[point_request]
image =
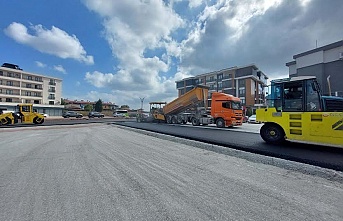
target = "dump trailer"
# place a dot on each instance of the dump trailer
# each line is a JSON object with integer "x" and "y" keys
{"x": 23, "y": 114}
{"x": 225, "y": 109}
{"x": 296, "y": 110}
{"x": 190, "y": 107}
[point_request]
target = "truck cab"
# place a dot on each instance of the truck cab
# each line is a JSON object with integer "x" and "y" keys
{"x": 226, "y": 110}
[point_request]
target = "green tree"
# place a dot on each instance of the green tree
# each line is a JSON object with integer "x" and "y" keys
{"x": 98, "y": 106}
{"x": 63, "y": 102}
{"x": 88, "y": 107}
{"x": 125, "y": 107}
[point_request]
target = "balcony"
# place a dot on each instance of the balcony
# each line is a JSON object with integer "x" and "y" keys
{"x": 10, "y": 85}
{"x": 52, "y": 90}
{"x": 227, "y": 77}
{"x": 211, "y": 80}
{"x": 10, "y": 93}
{"x": 31, "y": 95}
{"x": 52, "y": 83}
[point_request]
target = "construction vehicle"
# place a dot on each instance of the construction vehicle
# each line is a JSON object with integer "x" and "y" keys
{"x": 155, "y": 114}
{"x": 296, "y": 110}
{"x": 192, "y": 107}
{"x": 24, "y": 113}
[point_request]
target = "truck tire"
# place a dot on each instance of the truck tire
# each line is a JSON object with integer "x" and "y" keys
{"x": 195, "y": 122}
{"x": 174, "y": 120}
{"x": 272, "y": 133}
{"x": 169, "y": 120}
{"x": 220, "y": 123}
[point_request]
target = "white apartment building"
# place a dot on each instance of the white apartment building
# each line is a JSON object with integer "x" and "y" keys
{"x": 18, "y": 86}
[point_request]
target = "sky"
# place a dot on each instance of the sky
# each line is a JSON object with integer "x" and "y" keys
{"x": 121, "y": 51}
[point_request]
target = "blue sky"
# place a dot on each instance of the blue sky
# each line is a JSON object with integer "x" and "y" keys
{"x": 119, "y": 51}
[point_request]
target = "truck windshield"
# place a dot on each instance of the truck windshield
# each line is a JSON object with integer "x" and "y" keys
{"x": 236, "y": 105}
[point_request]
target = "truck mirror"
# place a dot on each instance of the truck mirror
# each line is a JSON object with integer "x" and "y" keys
{"x": 313, "y": 86}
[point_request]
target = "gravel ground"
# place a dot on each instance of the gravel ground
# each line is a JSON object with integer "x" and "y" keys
{"x": 104, "y": 172}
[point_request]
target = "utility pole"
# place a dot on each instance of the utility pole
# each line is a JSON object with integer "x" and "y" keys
{"x": 142, "y": 100}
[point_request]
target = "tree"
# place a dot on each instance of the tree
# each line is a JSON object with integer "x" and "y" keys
{"x": 98, "y": 106}
{"x": 63, "y": 102}
{"x": 88, "y": 107}
{"x": 125, "y": 107}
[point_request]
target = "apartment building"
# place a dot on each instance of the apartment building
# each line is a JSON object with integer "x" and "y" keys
{"x": 18, "y": 86}
{"x": 246, "y": 82}
{"x": 326, "y": 63}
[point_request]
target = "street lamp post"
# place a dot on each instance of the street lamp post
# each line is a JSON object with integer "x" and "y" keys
{"x": 142, "y": 100}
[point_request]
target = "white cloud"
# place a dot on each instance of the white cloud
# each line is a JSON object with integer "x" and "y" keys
{"x": 60, "y": 69}
{"x": 55, "y": 41}
{"x": 267, "y": 33}
{"x": 40, "y": 64}
{"x": 214, "y": 35}
{"x": 131, "y": 38}
{"x": 195, "y": 3}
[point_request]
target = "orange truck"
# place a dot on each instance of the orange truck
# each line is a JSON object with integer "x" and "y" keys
{"x": 226, "y": 110}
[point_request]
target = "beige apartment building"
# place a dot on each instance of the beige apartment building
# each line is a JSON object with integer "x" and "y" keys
{"x": 18, "y": 86}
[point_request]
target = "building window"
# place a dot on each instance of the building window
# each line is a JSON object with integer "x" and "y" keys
{"x": 52, "y": 89}
{"x": 9, "y": 91}
{"x": 29, "y": 78}
{"x": 36, "y": 101}
{"x": 52, "y": 82}
{"x": 51, "y": 96}
{"x": 51, "y": 102}
{"x": 9, "y": 83}
{"x": 242, "y": 91}
{"x": 28, "y": 86}
{"x": 220, "y": 85}
{"x": 243, "y": 101}
{"x": 241, "y": 83}
{"x": 220, "y": 76}
{"x": 8, "y": 99}
{"x": 227, "y": 84}
{"x": 39, "y": 79}
{"x": 1, "y": 73}
{"x": 28, "y": 93}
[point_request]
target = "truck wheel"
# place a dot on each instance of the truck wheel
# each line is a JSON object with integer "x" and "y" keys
{"x": 169, "y": 119}
{"x": 195, "y": 122}
{"x": 220, "y": 123}
{"x": 174, "y": 120}
{"x": 272, "y": 133}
